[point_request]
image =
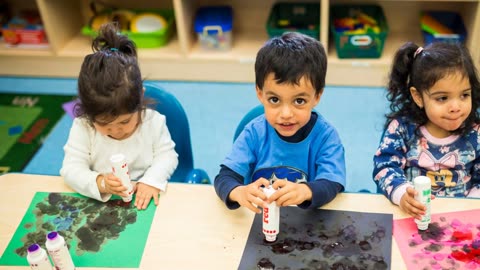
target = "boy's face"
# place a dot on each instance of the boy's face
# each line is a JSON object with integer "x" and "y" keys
{"x": 288, "y": 107}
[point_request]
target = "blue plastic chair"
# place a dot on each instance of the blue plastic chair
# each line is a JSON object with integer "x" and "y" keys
{"x": 256, "y": 111}
{"x": 177, "y": 123}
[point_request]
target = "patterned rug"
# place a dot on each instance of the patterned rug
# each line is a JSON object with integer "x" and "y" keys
{"x": 25, "y": 122}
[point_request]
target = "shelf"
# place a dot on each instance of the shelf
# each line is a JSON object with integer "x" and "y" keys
{"x": 80, "y": 46}
{"x": 245, "y": 46}
{"x": 20, "y": 50}
{"x": 183, "y": 59}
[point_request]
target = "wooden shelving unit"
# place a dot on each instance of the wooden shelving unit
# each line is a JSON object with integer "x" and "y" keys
{"x": 183, "y": 59}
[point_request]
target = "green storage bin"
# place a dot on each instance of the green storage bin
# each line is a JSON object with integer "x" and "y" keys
{"x": 294, "y": 17}
{"x": 146, "y": 40}
{"x": 359, "y": 45}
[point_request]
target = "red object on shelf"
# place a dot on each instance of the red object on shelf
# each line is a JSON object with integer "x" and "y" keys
{"x": 24, "y": 36}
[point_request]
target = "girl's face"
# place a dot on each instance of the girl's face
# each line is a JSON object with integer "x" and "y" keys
{"x": 288, "y": 107}
{"x": 120, "y": 128}
{"x": 447, "y": 104}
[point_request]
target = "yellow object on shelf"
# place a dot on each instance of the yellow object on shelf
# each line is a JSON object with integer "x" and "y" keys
{"x": 123, "y": 17}
{"x": 147, "y": 22}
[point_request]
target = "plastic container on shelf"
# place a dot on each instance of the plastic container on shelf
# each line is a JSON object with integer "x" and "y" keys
{"x": 25, "y": 36}
{"x": 145, "y": 39}
{"x": 359, "y": 31}
{"x": 213, "y": 25}
{"x": 25, "y": 28}
{"x": 444, "y": 26}
{"x": 294, "y": 17}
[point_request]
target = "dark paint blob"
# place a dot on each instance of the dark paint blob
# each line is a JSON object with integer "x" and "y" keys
{"x": 365, "y": 245}
{"x": 434, "y": 232}
{"x": 265, "y": 264}
{"x": 86, "y": 221}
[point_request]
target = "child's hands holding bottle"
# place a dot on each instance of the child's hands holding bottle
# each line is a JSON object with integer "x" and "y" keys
{"x": 290, "y": 193}
{"x": 411, "y": 206}
{"x": 110, "y": 184}
{"x": 251, "y": 195}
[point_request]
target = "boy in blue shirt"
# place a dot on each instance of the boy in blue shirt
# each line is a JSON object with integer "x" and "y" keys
{"x": 290, "y": 146}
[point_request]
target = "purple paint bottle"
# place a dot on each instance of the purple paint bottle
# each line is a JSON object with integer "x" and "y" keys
{"x": 58, "y": 250}
{"x": 37, "y": 258}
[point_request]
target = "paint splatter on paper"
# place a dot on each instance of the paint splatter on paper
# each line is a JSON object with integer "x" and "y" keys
{"x": 452, "y": 241}
{"x": 95, "y": 232}
{"x": 321, "y": 239}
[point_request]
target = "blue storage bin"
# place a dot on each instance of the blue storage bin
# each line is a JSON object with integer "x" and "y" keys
{"x": 451, "y": 20}
{"x": 214, "y": 25}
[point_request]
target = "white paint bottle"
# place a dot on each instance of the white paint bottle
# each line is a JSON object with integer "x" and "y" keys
{"x": 271, "y": 217}
{"x": 37, "y": 258}
{"x": 58, "y": 250}
{"x": 422, "y": 185}
{"x": 120, "y": 170}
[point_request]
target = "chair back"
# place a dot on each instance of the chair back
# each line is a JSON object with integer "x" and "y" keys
{"x": 177, "y": 123}
{"x": 253, "y": 113}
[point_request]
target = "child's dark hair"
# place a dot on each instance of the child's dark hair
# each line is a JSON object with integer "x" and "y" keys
{"x": 291, "y": 57}
{"x": 110, "y": 83}
{"x": 422, "y": 69}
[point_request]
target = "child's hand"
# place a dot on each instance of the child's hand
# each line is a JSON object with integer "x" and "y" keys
{"x": 289, "y": 193}
{"x": 411, "y": 206}
{"x": 144, "y": 194}
{"x": 113, "y": 185}
{"x": 251, "y": 195}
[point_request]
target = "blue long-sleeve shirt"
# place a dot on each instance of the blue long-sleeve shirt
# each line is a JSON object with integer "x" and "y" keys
{"x": 452, "y": 163}
{"x": 314, "y": 156}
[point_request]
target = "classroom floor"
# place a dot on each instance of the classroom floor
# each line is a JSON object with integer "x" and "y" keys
{"x": 215, "y": 109}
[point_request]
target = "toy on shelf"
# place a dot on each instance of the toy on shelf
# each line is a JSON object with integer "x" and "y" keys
{"x": 356, "y": 23}
{"x": 432, "y": 26}
{"x": 359, "y": 31}
{"x": 299, "y": 17}
{"x": 147, "y": 23}
{"x": 148, "y": 28}
{"x": 25, "y": 28}
{"x": 442, "y": 26}
{"x": 213, "y": 25}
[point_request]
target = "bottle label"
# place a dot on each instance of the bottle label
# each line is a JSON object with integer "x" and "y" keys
{"x": 61, "y": 258}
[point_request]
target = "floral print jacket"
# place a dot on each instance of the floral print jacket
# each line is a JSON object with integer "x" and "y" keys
{"x": 407, "y": 151}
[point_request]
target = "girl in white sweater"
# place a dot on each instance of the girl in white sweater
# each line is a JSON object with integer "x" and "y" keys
{"x": 112, "y": 118}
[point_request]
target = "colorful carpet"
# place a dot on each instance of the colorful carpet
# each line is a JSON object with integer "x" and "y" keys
{"x": 25, "y": 122}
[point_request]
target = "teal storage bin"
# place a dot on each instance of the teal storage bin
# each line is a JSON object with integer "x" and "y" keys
{"x": 294, "y": 17}
{"x": 366, "y": 39}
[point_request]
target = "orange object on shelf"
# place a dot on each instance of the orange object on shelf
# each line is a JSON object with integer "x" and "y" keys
{"x": 24, "y": 36}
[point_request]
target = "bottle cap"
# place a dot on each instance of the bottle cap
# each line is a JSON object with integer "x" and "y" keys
{"x": 271, "y": 237}
{"x": 422, "y": 226}
{"x": 421, "y": 180}
{"x": 117, "y": 158}
{"x": 52, "y": 235}
{"x": 33, "y": 248}
{"x": 269, "y": 191}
